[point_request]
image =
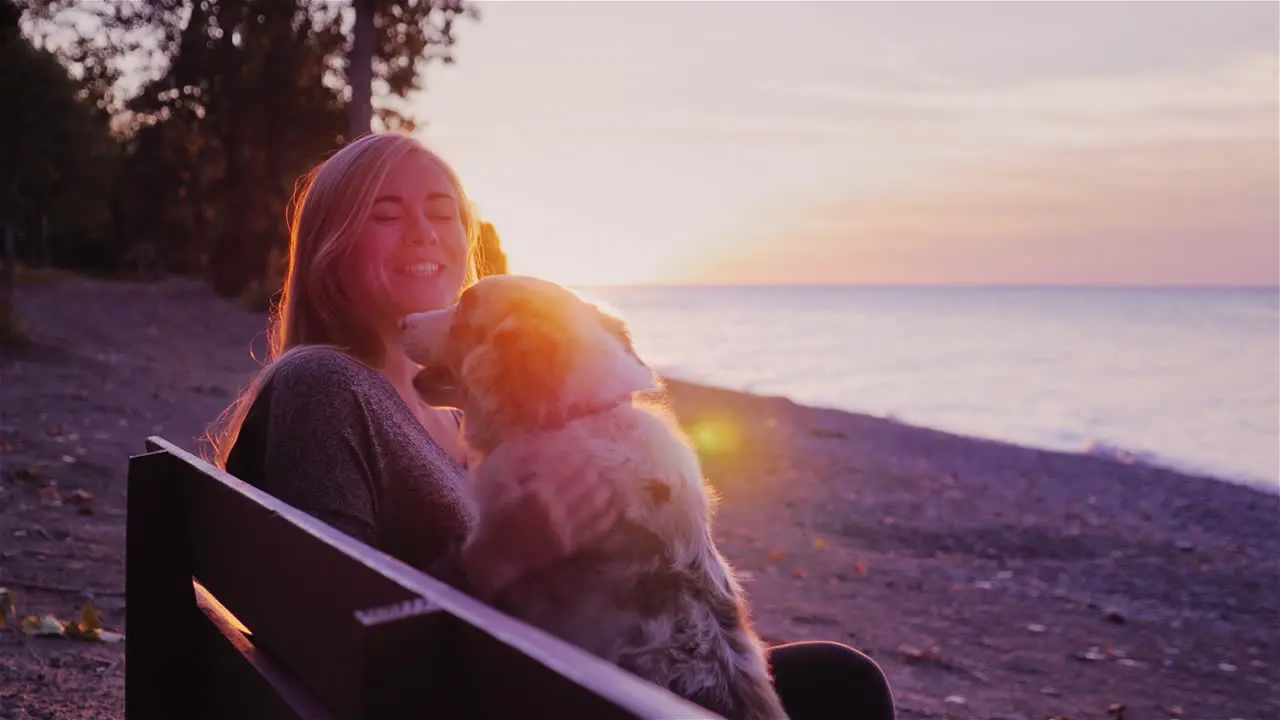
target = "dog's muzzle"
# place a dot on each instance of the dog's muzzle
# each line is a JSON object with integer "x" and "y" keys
{"x": 423, "y": 332}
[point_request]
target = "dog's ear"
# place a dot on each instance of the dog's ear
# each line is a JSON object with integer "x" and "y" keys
{"x": 534, "y": 365}
{"x": 618, "y": 329}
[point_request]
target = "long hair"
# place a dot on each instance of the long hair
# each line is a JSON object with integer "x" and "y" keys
{"x": 329, "y": 205}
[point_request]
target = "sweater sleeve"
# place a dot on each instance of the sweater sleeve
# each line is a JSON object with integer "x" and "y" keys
{"x": 331, "y": 437}
{"x": 317, "y": 459}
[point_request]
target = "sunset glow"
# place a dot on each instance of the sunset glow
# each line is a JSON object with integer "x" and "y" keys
{"x": 1129, "y": 143}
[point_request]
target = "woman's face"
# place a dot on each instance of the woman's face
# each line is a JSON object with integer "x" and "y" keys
{"x": 411, "y": 253}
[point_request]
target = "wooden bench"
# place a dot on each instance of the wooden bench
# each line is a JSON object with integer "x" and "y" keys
{"x": 240, "y": 606}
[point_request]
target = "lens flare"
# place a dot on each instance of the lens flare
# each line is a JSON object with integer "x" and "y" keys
{"x": 716, "y": 437}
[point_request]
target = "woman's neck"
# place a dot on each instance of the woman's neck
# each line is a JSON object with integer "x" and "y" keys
{"x": 400, "y": 370}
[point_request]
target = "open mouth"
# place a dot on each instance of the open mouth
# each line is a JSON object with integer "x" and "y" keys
{"x": 422, "y": 269}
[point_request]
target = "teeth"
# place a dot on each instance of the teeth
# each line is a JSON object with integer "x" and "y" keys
{"x": 423, "y": 269}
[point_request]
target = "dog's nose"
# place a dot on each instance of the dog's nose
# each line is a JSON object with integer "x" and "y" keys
{"x": 404, "y": 324}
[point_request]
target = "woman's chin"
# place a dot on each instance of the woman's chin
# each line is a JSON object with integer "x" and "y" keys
{"x": 423, "y": 296}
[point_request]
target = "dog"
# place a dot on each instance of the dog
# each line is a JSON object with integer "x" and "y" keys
{"x": 534, "y": 363}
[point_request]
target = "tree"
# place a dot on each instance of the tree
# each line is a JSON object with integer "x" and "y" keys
{"x": 57, "y": 156}
{"x": 239, "y": 98}
{"x": 393, "y": 43}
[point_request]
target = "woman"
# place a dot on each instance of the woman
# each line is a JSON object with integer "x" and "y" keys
{"x": 335, "y": 426}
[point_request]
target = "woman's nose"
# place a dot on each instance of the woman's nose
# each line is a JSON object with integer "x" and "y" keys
{"x": 423, "y": 232}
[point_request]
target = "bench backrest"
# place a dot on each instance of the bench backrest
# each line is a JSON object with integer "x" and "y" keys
{"x": 239, "y": 605}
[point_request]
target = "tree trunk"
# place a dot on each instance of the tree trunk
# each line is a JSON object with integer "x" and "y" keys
{"x": 360, "y": 72}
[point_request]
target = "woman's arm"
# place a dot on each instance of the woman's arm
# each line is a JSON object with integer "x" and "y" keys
{"x": 313, "y": 456}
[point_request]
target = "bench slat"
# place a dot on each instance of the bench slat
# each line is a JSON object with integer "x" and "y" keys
{"x": 263, "y": 690}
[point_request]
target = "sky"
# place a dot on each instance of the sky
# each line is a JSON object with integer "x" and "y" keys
{"x": 885, "y": 143}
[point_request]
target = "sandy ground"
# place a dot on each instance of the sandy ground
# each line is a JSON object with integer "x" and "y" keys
{"x": 989, "y": 581}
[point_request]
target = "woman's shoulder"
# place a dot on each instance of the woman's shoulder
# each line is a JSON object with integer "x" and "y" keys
{"x": 322, "y": 383}
{"x": 322, "y": 367}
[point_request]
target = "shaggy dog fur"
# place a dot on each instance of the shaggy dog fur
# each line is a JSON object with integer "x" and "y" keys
{"x": 541, "y": 375}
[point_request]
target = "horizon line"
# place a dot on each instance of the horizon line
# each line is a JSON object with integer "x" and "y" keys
{"x": 940, "y": 286}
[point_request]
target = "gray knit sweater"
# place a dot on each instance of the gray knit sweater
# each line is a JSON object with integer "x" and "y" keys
{"x": 333, "y": 438}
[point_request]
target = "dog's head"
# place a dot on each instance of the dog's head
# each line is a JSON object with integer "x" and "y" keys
{"x": 526, "y": 353}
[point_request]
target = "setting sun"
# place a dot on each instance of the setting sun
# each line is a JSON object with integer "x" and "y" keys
{"x": 602, "y": 218}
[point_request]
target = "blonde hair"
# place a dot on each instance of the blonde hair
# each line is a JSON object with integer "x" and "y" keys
{"x": 330, "y": 204}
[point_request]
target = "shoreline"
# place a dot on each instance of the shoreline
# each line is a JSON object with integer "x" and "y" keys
{"x": 988, "y": 579}
{"x": 1105, "y": 450}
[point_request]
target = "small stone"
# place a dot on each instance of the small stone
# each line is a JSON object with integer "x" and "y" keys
{"x": 983, "y": 585}
{"x": 1226, "y": 667}
{"x": 1185, "y": 545}
{"x": 1051, "y": 692}
{"x": 955, "y": 699}
{"x": 1004, "y": 575}
{"x": 1037, "y": 628}
{"x": 50, "y": 497}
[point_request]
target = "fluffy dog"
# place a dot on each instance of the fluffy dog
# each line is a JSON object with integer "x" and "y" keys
{"x": 536, "y": 364}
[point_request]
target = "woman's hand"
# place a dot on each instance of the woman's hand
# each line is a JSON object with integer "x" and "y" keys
{"x": 549, "y": 515}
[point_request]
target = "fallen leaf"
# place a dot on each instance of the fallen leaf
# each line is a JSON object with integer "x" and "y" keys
{"x": 42, "y": 626}
{"x": 777, "y": 555}
{"x": 90, "y": 618}
{"x": 798, "y": 573}
{"x": 26, "y": 474}
{"x": 89, "y": 627}
{"x": 860, "y": 568}
{"x": 8, "y": 609}
{"x": 82, "y": 500}
{"x": 913, "y": 654}
{"x": 819, "y": 544}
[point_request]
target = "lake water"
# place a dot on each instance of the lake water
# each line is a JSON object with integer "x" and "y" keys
{"x": 1186, "y": 379}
